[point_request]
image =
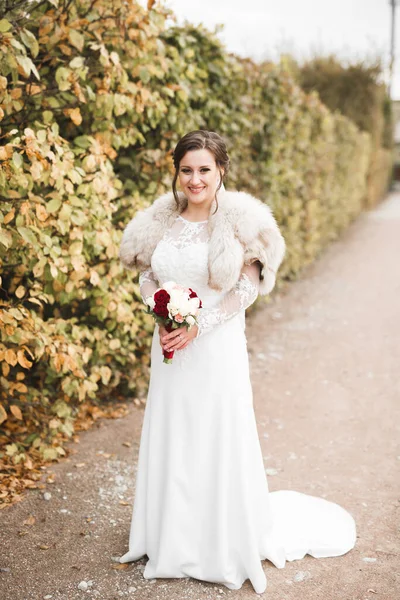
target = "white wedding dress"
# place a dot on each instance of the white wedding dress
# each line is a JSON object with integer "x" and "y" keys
{"x": 202, "y": 508}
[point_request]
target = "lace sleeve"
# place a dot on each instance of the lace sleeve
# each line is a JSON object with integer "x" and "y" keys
{"x": 241, "y": 296}
{"x": 148, "y": 284}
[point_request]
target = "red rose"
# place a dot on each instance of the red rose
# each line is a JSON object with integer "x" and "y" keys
{"x": 161, "y": 299}
{"x": 162, "y": 296}
{"x": 160, "y": 310}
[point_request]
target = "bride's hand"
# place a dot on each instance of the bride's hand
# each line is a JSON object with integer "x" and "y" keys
{"x": 178, "y": 338}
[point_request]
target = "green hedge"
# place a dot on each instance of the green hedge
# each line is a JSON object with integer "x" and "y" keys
{"x": 355, "y": 89}
{"x": 92, "y": 103}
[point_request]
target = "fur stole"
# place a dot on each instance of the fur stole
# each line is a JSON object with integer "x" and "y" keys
{"x": 242, "y": 231}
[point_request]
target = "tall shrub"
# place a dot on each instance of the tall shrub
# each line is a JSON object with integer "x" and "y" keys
{"x": 356, "y": 90}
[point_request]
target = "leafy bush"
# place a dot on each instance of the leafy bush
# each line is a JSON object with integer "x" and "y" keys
{"x": 357, "y": 92}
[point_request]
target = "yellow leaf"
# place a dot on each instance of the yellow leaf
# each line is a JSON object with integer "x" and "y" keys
{"x": 16, "y": 411}
{"x": 36, "y": 170}
{"x": 75, "y": 248}
{"x": 58, "y": 361}
{"x": 34, "y": 89}
{"x": 106, "y": 374}
{"x": 10, "y": 330}
{"x": 9, "y": 149}
{"x": 11, "y": 357}
{"x": 28, "y": 463}
{"x": 121, "y": 566}
{"x": 16, "y": 93}
{"x": 74, "y": 114}
{"x": 115, "y": 344}
{"x": 11, "y": 449}
{"x": 23, "y": 361}
{"x": 46, "y": 27}
{"x": 41, "y": 212}
{"x": 76, "y": 39}
{"x": 104, "y": 238}
{"x": 53, "y": 270}
{"x": 16, "y": 314}
{"x": 35, "y": 301}
{"x": 6, "y": 238}
{"x": 21, "y": 388}
{"x": 39, "y": 268}
{"x": 3, "y": 414}
{"x": 28, "y": 350}
{"x": 50, "y": 454}
{"x": 57, "y": 285}
{"x": 30, "y": 520}
{"x": 65, "y": 49}
{"x": 5, "y": 367}
{"x": 20, "y": 291}
{"x": 94, "y": 277}
{"x": 9, "y": 216}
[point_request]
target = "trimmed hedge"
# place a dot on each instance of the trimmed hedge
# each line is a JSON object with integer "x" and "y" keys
{"x": 92, "y": 103}
{"x": 356, "y": 91}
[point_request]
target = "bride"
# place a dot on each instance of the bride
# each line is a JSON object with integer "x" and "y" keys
{"x": 202, "y": 508}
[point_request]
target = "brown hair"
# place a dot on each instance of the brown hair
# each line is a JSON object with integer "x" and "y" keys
{"x": 199, "y": 140}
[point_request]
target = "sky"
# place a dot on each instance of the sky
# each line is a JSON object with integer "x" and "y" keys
{"x": 263, "y": 29}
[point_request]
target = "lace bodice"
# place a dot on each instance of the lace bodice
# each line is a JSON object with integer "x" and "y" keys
{"x": 182, "y": 256}
{"x": 186, "y": 233}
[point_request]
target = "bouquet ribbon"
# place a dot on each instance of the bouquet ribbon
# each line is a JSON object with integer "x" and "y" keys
{"x": 168, "y": 354}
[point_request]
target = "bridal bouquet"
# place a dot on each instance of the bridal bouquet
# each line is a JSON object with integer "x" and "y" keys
{"x": 173, "y": 306}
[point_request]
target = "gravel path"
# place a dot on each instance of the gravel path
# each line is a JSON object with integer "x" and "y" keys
{"x": 325, "y": 359}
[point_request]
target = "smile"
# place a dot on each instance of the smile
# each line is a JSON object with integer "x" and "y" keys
{"x": 196, "y": 190}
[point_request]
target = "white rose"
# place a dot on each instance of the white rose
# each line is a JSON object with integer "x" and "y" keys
{"x": 150, "y": 302}
{"x": 185, "y": 307}
{"x": 190, "y": 320}
{"x": 176, "y": 297}
{"x": 173, "y": 309}
{"x": 194, "y": 303}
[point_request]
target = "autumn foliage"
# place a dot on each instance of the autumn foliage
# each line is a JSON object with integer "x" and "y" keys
{"x": 93, "y": 97}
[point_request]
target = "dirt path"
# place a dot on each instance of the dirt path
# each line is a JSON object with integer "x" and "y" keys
{"x": 325, "y": 360}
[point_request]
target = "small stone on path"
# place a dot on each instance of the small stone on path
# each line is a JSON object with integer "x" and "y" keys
{"x": 301, "y": 576}
{"x": 83, "y": 586}
{"x": 271, "y": 472}
{"x": 369, "y": 560}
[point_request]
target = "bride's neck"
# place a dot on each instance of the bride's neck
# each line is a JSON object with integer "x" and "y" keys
{"x": 197, "y": 213}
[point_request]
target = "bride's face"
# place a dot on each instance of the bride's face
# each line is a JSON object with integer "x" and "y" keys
{"x": 199, "y": 176}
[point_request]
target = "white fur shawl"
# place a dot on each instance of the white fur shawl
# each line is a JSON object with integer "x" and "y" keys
{"x": 241, "y": 231}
